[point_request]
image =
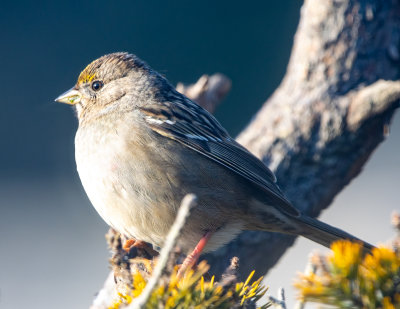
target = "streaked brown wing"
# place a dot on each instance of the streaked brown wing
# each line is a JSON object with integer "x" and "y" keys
{"x": 191, "y": 125}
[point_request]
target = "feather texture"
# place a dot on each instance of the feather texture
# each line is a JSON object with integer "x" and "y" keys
{"x": 189, "y": 124}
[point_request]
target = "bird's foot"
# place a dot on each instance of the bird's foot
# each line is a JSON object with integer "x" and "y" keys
{"x": 133, "y": 243}
{"x": 138, "y": 244}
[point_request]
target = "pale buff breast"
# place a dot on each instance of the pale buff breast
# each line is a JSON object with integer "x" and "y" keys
{"x": 112, "y": 176}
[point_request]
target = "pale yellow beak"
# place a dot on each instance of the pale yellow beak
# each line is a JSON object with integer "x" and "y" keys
{"x": 71, "y": 97}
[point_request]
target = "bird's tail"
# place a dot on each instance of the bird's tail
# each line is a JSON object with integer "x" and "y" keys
{"x": 326, "y": 234}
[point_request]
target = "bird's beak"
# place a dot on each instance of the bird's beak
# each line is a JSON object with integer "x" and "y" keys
{"x": 71, "y": 97}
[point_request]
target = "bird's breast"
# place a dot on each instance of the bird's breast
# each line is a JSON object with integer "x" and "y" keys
{"x": 121, "y": 184}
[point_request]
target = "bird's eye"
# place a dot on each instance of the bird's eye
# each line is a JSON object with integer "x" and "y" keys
{"x": 97, "y": 85}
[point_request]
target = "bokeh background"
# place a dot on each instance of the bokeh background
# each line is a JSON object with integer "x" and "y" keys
{"x": 52, "y": 249}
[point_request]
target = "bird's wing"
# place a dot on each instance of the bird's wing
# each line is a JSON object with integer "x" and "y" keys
{"x": 191, "y": 125}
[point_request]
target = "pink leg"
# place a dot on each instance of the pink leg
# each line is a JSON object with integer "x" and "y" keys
{"x": 192, "y": 258}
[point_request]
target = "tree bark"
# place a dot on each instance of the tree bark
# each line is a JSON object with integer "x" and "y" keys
{"x": 330, "y": 112}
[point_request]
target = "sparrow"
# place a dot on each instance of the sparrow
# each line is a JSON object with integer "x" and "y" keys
{"x": 141, "y": 146}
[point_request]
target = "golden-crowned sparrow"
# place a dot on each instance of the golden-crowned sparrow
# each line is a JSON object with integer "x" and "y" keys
{"x": 141, "y": 147}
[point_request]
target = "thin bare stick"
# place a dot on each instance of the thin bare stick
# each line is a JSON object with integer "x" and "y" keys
{"x": 188, "y": 202}
{"x": 279, "y": 302}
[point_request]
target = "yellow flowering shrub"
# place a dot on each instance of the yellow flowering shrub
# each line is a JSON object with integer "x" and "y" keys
{"x": 347, "y": 279}
{"x": 193, "y": 291}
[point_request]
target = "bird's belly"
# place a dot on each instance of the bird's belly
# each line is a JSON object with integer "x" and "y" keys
{"x": 140, "y": 212}
{"x": 114, "y": 187}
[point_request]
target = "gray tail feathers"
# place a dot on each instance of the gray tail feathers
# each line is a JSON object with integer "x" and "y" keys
{"x": 325, "y": 234}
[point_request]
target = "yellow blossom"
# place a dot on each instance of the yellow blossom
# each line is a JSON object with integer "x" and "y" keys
{"x": 138, "y": 284}
{"x": 387, "y": 304}
{"x": 194, "y": 291}
{"x": 381, "y": 263}
{"x": 353, "y": 281}
{"x": 346, "y": 257}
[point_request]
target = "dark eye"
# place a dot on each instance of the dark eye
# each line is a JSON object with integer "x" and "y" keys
{"x": 97, "y": 85}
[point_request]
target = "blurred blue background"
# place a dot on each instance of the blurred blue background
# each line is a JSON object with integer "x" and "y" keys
{"x": 52, "y": 248}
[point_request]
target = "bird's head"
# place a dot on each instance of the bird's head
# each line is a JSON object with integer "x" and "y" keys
{"x": 109, "y": 81}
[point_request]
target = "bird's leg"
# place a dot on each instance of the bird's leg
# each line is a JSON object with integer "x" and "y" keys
{"x": 192, "y": 258}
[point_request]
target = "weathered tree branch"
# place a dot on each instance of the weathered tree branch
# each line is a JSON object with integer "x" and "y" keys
{"x": 208, "y": 91}
{"x": 330, "y": 112}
